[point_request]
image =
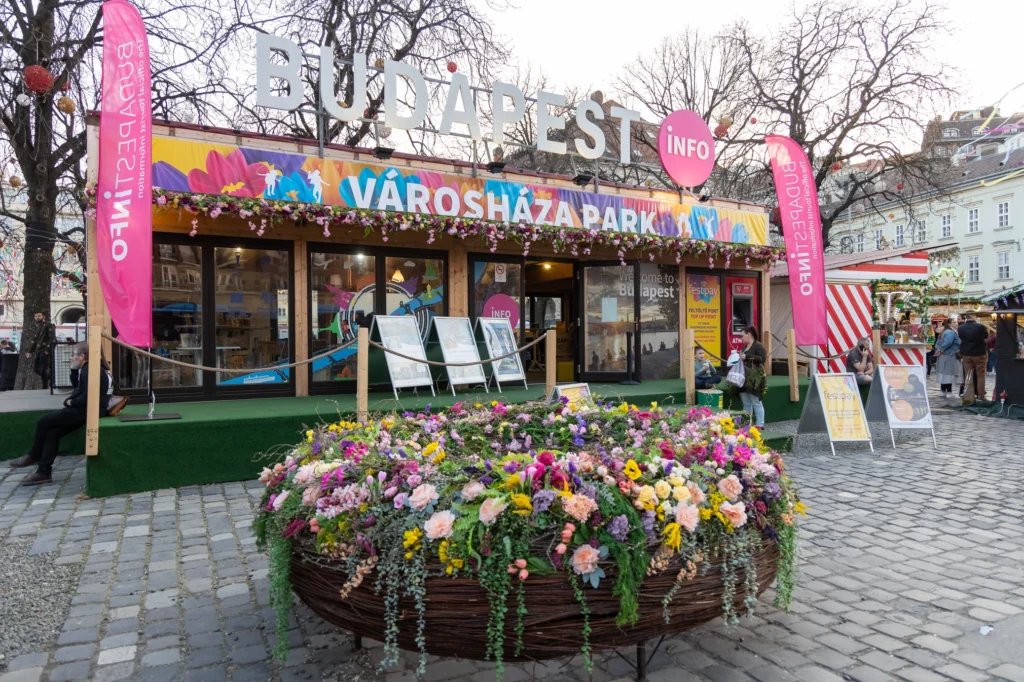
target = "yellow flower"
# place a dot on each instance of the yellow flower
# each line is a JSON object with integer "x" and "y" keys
{"x": 647, "y": 496}
{"x": 663, "y": 489}
{"x": 442, "y": 551}
{"x": 439, "y": 457}
{"x": 494, "y": 403}
{"x": 477, "y": 405}
{"x": 412, "y": 539}
{"x": 676, "y": 481}
{"x": 632, "y": 470}
{"x": 705, "y": 514}
{"x": 654, "y": 405}
{"x": 309, "y": 436}
{"x": 623, "y": 408}
{"x": 673, "y": 538}
{"x": 511, "y": 482}
{"x": 429, "y": 450}
{"x": 800, "y": 508}
{"x": 755, "y": 433}
{"x": 523, "y": 504}
{"x": 680, "y": 493}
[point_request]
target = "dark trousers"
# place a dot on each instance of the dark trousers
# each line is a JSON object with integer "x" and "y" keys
{"x": 49, "y": 430}
{"x": 707, "y": 382}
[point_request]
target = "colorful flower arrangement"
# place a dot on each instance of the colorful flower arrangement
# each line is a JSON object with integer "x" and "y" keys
{"x": 262, "y": 214}
{"x": 506, "y": 492}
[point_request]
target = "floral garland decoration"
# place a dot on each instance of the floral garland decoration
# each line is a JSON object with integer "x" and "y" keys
{"x": 576, "y": 241}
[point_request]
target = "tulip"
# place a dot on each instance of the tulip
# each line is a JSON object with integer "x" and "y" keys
{"x": 524, "y": 574}
{"x": 560, "y": 549}
{"x": 520, "y": 563}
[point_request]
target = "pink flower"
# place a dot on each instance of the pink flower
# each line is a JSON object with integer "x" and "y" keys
{"x": 279, "y": 500}
{"x": 415, "y": 480}
{"x": 584, "y": 559}
{"x": 687, "y": 516}
{"x": 310, "y": 495}
{"x": 423, "y": 496}
{"x": 472, "y": 490}
{"x": 546, "y": 458}
{"x": 266, "y": 475}
{"x": 580, "y": 507}
{"x": 696, "y": 494}
{"x": 736, "y": 513}
{"x": 524, "y": 574}
{"x": 305, "y": 473}
{"x": 440, "y": 525}
{"x": 314, "y": 525}
{"x": 490, "y": 510}
{"x": 731, "y": 487}
{"x": 400, "y": 499}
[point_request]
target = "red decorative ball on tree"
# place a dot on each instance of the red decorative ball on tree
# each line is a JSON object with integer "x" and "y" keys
{"x": 836, "y": 167}
{"x": 753, "y": 120}
{"x": 38, "y": 79}
{"x": 721, "y": 130}
{"x": 899, "y": 187}
{"x": 452, "y": 67}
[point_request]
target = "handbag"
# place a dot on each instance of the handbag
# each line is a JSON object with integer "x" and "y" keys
{"x": 737, "y": 375}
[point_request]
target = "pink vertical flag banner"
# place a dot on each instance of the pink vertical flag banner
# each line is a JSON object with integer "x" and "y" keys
{"x": 124, "y": 218}
{"x": 801, "y": 226}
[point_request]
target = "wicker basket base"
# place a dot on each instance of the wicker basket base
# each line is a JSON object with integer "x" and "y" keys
{"x": 457, "y": 610}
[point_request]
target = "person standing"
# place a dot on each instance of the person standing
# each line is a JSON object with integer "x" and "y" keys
{"x": 40, "y": 351}
{"x": 974, "y": 350}
{"x": 948, "y": 368}
{"x": 991, "y": 345}
{"x": 755, "y": 384}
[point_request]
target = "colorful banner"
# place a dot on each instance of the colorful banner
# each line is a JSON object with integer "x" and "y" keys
{"x": 124, "y": 234}
{"x": 200, "y": 167}
{"x": 801, "y": 226}
{"x": 906, "y": 397}
{"x": 704, "y": 311}
{"x": 844, "y": 412}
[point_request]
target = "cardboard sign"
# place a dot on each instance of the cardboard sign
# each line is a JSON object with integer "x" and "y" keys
{"x": 833, "y": 406}
{"x": 401, "y": 333}
{"x": 455, "y": 337}
{"x": 576, "y": 393}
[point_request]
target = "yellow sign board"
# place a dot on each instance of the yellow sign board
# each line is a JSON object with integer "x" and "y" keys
{"x": 704, "y": 311}
{"x": 844, "y": 412}
{"x": 575, "y": 393}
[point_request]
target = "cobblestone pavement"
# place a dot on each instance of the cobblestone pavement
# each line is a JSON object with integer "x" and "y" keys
{"x": 907, "y": 559}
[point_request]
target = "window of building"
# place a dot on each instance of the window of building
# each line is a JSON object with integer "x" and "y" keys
{"x": 177, "y": 315}
{"x": 899, "y": 235}
{"x": 973, "y": 224}
{"x": 1003, "y": 265}
{"x": 974, "y": 269}
{"x": 1003, "y": 214}
{"x": 976, "y": 131}
{"x": 342, "y": 288}
{"x": 920, "y": 232}
{"x": 950, "y": 132}
{"x": 878, "y": 240}
{"x": 860, "y": 243}
{"x": 947, "y": 225}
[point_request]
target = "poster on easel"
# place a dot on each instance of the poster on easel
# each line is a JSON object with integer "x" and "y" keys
{"x": 833, "y": 406}
{"x": 454, "y": 336}
{"x": 576, "y": 394}
{"x": 400, "y": 333}
{"x": 499, "y": 339}
{"x": 899, "y": 394}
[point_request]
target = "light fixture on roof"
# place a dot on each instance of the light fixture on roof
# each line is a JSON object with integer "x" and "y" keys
{"x": 704, "y": 198}
{"x": 547, "y": 266}
{"x": 383, "y": 153}
{"x": 583, "y": 179}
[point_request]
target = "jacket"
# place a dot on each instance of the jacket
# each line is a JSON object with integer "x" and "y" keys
{"x": 46, "y": 337}
{"x": 973, "y": 339}
{"x": 79, "y": 397}
{"x": 948, "y": 342}
{"x": 753, "y": 366}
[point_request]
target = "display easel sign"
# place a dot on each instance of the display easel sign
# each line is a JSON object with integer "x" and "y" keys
{"x": 499, "y": 339}
{"x": 575, "y": 393}
{"x": 401, "y": 333}
{"x": 833, "y": 406}
{"x": 900, "y": 394}
{"x": 458, "y": 344}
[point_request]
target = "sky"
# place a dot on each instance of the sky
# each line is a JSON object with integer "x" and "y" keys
{"x": 587, "y": 43}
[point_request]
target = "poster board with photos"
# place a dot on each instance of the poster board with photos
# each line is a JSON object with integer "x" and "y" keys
{"x": 451, "y": 339}
{"x": 833, "y": 406}
{"x": 498, "y": 339}
{"x": 899, "y": 395}
{"x": 401, "y": 333}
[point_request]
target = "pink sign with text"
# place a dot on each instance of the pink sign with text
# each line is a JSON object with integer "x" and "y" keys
{"x": 686, "y": 148}
{"x": 502, "y": 306}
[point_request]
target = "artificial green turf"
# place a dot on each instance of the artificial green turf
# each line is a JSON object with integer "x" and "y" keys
{"x": 18, "y": 428}
{"x": 216, "y": 442}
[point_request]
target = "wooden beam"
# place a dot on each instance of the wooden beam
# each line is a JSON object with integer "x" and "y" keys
{"x": 688, "y": 343}
{"x": 300, "y": 335}
{"x": 682, "y": 319}
{"x": 766, "y": 318}
{"x": 363, "y": 376}
{"x": 794, "y": 370}
{"x": 92, "y": 398}
{"x": 458, "y": 281}
{"x": 551, "y": 360}
{"x": 876, "y": 345}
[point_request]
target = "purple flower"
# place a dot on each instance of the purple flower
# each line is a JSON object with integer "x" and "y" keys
{"x": 648, "y": 518}
{"x": 587, "y": 491}
{"x": 542, "y": 500}
{"x": 293, "y": 528}
{"x": 400, "y": 499}
{"x": 618, "y": 527}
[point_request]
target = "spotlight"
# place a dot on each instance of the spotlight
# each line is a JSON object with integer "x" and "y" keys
{"x": 583, "y": 179}
{"x": 383, "y": 153}
{"x": 496, "y": 166}
{"x": 704, "y": 198}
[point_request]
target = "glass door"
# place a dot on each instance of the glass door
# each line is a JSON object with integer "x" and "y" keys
{"x": 608, "y": 311}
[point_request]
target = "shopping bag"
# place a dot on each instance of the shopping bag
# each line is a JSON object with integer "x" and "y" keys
{"x": 737, "y": 376}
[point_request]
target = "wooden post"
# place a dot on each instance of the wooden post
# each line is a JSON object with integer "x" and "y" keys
{"x": 688, "y": 369}
{"x": 794, "y": 370}
{"x": 363, "y": 376}
{"x": 682, "y": 320}
{"x": 551, "y": 360}
{"x": 876, "y": 346}
{"x": 300, "y": 335}
{"x": 458, "y": 282}
{"x": 92, "y": 398}
{"x": 766, "y": 318}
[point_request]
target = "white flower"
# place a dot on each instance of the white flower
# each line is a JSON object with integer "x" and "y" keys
{"x": 280, "y": 499}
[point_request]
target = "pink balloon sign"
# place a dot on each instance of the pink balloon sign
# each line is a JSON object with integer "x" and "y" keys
{"x": 686, "y": 148}
{"x": 503, "y": 306}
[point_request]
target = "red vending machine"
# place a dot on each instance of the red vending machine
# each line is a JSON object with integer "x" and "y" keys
{"x": 742, "y": 309}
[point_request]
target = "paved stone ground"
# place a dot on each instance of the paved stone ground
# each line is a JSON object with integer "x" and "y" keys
{"x": 905, "y": 558}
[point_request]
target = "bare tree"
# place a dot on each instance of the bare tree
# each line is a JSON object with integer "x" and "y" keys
{"x": 46, "y": 135}
{"x": 427, "y": 34}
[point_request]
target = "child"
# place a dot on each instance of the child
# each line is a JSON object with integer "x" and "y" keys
{"x": 704, "y": 372}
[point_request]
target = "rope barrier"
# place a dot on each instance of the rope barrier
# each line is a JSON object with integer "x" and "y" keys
{"x": 462, "y": 364}
{"x": 223, "y": 370}
{"x": 707, "y": 352}
{"x": 804, "y": 353}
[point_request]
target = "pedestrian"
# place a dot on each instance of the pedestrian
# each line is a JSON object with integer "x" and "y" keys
{"x": 704, "y": 373}
{"x": 859, "y": 362}
{"x": 948, "y": 368}
{"x": 40, "y": 351}
{"x": 755, "y": 383}
{"x": 990, "y": 343}
{"x": 53, "y": 426}
{"x": 974, "y": 351}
